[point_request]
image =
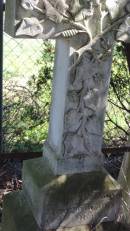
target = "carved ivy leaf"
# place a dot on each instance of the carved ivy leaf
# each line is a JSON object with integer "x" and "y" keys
{"x": 59, "y": 5}
{"x": 29, "y": 4}
{"x": 30, "y": 27}
{"x": 51, "y": 12}
{"x": 73, "y": 120}
{"x": 74, "y": 145}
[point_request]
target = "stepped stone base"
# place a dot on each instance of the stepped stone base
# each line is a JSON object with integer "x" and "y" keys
{"x": 66, "y": 202}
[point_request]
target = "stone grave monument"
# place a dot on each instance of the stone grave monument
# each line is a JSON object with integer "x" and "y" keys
{"x": 68, "y": 187}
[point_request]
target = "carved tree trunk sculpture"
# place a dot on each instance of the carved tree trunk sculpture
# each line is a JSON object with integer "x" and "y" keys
{"x": 86, "y": 32}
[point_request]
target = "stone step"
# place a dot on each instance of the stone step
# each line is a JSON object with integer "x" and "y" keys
{"x": 69, "y": 200}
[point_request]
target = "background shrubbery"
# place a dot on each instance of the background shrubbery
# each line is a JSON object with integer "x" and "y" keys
{"x": 117, "y": 122}
{"x": 26, "y": 107}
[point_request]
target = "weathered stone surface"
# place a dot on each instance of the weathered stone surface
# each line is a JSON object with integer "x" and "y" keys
{"x": 71, "y": 165}
{"x": 88, "y": 86}
{"x": 17, "y": 215}
{"x": 77, "y": 228}
{"x": 77, "y": 115}
{"x": 112, "y": 226}
{"x": 124, "y": 31}
{"x": 69, "y": 200}
{"x": 106, "y": 226}
{"x": 58, "y": 203}
{"x": 36, "y": 174}
{"x": 51, "y": 19}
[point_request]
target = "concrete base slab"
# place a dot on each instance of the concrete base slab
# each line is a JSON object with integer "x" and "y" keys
{"x": 17, "y": 215}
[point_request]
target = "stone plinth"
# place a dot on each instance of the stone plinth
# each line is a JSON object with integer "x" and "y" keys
{"x": 65, "y": 201}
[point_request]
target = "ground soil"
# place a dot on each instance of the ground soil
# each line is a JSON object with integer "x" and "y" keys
{"x": 10, "y": 178}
